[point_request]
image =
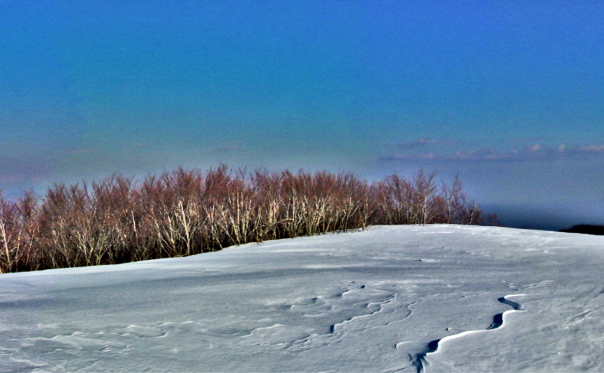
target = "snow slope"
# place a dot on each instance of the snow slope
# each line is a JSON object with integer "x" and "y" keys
{"x": 389, "y": 299}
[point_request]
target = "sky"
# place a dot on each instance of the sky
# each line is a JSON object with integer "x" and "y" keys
{"x": 509, "y": 94}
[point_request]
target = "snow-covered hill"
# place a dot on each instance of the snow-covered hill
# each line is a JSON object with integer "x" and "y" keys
{"x": 389, "y": 299}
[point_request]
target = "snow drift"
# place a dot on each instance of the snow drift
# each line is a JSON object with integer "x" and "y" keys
{"x": 389, "y": 299}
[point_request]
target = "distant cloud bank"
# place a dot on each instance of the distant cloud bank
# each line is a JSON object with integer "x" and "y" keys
{"x": 439, "y": 150}
{"x": 419, "y": 143}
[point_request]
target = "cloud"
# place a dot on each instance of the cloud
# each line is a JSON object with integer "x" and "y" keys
{"x": 591, "y": 149}
{"x": 523, "y": 139}
{"x": 410, "y": 157}
{"x": 534, "y": 151}
{"x": 421, "y": 143}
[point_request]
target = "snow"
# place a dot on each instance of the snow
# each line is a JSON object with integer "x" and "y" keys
{"x": 367, "y": 301}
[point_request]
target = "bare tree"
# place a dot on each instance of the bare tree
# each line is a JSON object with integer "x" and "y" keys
{"x": 186, "y": 212}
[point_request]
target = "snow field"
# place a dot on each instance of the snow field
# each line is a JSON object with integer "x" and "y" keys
{"x": 353, "y": 302}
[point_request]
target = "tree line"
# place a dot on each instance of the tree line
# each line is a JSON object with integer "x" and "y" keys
{"x": 186, "y": 212}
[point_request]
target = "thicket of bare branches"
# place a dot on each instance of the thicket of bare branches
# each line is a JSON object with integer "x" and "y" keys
{"x": 422, "y": 201}
{"x": 187, "y": 212}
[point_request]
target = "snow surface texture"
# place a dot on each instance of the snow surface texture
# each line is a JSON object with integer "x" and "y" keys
{"x": 390, "y": 299}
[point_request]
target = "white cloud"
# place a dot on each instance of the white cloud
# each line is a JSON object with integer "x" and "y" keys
{"x": 534, "y": 151}
{"x": 420, "y": 143}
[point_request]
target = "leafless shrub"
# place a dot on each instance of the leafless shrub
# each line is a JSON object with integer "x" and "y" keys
{"x": 186, "y": 212}
{"x": 17, "y": 233}
{"x": 420, "y": 201}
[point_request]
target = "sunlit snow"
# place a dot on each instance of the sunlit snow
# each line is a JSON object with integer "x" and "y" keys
{"x": 389, "y": 299}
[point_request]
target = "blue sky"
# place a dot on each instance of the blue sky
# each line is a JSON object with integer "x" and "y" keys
{"x": 510, "y": 94}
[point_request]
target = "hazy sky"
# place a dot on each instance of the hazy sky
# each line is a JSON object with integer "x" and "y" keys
{"x": 510, "y": 94}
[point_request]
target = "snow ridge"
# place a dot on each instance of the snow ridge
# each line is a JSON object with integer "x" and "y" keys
{"x": 420, "y": 360}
